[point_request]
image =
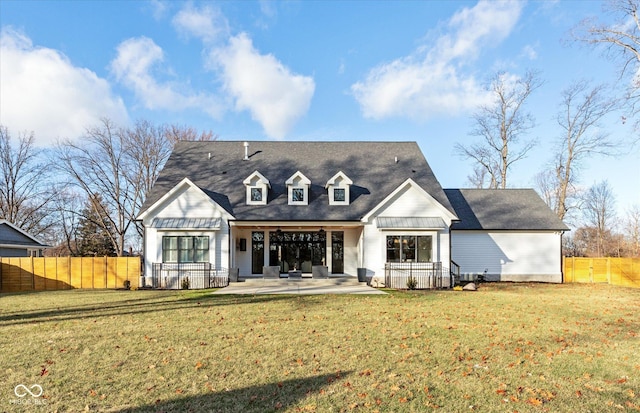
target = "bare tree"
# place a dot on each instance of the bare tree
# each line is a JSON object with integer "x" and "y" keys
{"x": 632, "y": 230}
{"x": 97, "y": 165}
{"x": 24, "y": 199}
{"x": 501, "y": 124}
{"x": 121, "y": 165}
{"x": 620, "y": 42}
{"x": 582, "y": 109}
{"x": 176, "y": 133}
{"x": 599, "y": 212}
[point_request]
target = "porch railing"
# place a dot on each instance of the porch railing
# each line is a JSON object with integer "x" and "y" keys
{"x": 427, "y": 275}
{"x": 197, "y": 275}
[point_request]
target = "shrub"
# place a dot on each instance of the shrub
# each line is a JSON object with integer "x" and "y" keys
{"x": 412, "y": 283}
{"x": 185, "y": 283}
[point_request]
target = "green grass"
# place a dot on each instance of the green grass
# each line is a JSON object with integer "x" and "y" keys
{"x": 505, "y": 348}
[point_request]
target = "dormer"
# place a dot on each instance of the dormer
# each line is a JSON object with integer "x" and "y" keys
{"x": 298, "y": 189}
{"x": 257, "y": 189}
{"x": 338, "y": 189}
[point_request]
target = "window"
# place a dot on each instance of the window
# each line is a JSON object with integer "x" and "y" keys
{"x": 338, "y": 187}
{"x": 409, "y": 248}
{"x": 257, "y": 188}
{"x": 256, "y": 194}
{"x": 298, "y": 189}
{"x": 297, "y": 195}
{"x": 257, "y": 252}
{"x": 185, "y": 249}
{"x": 299, "y": 250}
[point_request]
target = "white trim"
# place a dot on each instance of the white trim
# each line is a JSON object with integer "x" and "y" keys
{"x": 410, "y": 183}
{"x": 263, "y": 185}
{"x": 303, "y": 183}
{"x": 174, "y": 190}
{"x": 344, "y": 184}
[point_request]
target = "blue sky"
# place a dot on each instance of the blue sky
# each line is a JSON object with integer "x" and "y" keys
{"x": 301, "y": 70}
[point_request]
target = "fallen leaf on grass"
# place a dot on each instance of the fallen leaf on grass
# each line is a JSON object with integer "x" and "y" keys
{"x": 534, "y": 401}
{"x": 198, "y": 365}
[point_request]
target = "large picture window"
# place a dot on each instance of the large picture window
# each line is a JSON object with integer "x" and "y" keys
{"x": 185, "y": 249}
{"x": 297, "y": 250}
{"x": 409, "y": 248}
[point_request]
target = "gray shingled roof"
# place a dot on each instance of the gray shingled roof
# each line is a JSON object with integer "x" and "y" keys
{"x": 371, "y": 165}
{"x": 502, "y": 209}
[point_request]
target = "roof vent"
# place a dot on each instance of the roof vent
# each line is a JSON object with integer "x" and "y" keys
{"x": 396, "y": 159}
{"x": 246, "y": 151}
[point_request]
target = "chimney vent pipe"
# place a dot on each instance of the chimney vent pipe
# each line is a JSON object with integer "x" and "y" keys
{"x": 246, "y": 151}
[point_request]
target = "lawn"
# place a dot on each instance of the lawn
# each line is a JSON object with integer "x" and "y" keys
{"x": 505, "y": 348}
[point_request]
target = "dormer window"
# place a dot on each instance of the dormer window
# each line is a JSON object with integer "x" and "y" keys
{"x": 257, "y": 189}
{"x": 338, "y": 189}
{"x": 298, "y": 189}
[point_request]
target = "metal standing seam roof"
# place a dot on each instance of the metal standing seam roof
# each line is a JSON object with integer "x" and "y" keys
{"x": 186, "y": 223}
{"x": 410, "y": 223}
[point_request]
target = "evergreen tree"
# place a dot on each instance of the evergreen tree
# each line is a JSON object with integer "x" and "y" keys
{"x": 95, "y": 235}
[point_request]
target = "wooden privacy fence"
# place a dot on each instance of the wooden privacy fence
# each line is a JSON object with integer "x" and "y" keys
{"x": 615, "y": 271}
{"x": 61, "y": 273}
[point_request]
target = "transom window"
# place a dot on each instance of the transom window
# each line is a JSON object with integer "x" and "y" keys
{"x": 185, "y": 249}
{"x": 409, "y": 248}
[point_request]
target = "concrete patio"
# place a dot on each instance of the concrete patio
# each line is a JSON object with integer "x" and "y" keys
{"x": 302, "y": 286}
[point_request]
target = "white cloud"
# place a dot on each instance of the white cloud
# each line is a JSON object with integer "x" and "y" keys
{"x": 133, "y": 67}
{"x": 42, "y": 91}
{"x": 432, "y": 81}
{"x": 207, "y": 23}
{"x": 275, "y": 97}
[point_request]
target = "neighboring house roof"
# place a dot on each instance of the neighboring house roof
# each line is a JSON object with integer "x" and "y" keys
{"x": 12, "y": 236}
{"x": 502, "y": 209}
{"x": 376, "y": 169}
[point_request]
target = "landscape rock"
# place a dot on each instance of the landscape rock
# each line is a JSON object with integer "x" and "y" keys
{"x": 377, "y": 283}
{"x": 470, "y": 287}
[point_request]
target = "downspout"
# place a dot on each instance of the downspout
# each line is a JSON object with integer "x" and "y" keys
{"x": 229, "y": 246}
{"x": 451, "y": 281}
{"x": 561, "y": 259}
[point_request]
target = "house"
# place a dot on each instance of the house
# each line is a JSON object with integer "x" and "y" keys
{"x": 14, "y": 242}
{"x": 336, "y": 209}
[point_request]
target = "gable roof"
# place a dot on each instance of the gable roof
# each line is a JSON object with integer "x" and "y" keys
{"x": 12, "y": 236}
{"x": 371, "y": 166}
{"x": 214, "y": 199}
{"x": 502, "y": 209}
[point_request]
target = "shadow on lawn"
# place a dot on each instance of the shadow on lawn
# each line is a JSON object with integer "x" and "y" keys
{"x": 264, "y": 398}
{"x": 152, "y": 304}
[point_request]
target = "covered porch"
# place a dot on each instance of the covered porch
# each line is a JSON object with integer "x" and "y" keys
{"x": 296, "y": 250}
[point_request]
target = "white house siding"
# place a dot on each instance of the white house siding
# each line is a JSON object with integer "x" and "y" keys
{"x": 188, "y": 203}
{"x": 408, "y": 203}
{"x": 508, "y": 255}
